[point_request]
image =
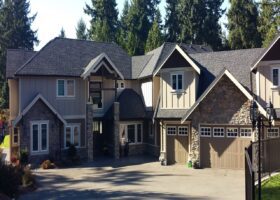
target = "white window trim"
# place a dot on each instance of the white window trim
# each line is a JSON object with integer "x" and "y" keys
{"x": 229, "y": 136}
{"x": 183, "y": 81}
{"x": 205, "y": 128}
{"x": 171, "y": 127}
{"x": 72, "y": 125}
{"x": 135, "y": 133}
{"x": 39, "y": 123}
{"x": 218, "y": 136}
{"x": 65, "y": 88}
{"x": 240, "y": 131}
{"x": 183, "y": 127}
{"x": 119, "y": 82}
{"x": 271, "y": 78}
{"x": 272, "y": 128}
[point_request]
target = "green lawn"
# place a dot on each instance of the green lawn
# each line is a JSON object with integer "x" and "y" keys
{"x": 271, "y": 188}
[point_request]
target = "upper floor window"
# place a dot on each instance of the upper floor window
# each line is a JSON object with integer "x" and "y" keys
{"x": 65, "y": 88}
{"x": 275, "y": 76}
{"x": 272, "y": 132}
{"x": 95, "y": 92}
{"x": 120, "y": 85}
{"x": 177, "y": 81}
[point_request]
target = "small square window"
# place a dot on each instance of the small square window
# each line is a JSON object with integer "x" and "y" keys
{"x": 246, "y": 132}
{"x": 232, "y": 132}
{"x": 120, "y": 85}
{"x": 272, "y": 132}
{"x": 66, "y": 88}
{"x": 183, "y": 130}
{"x": 171, "y": 130}
{"x": 218, "y": 132}
{"x": 177, "y": 81}
{"x": 205, "y": 131}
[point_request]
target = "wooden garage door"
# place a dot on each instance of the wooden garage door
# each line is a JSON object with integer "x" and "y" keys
{"x": 177, "y": 147}
{"x": 224, "y": 150}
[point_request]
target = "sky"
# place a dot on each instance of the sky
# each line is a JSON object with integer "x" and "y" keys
{"x": 52, "y": 15}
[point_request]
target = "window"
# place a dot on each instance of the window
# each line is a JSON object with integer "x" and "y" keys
{"x": 134, "y": 133}
{"x": 272, "y": 132}
{"x": 171, "y": 130}
{"x": 120, "y": 84}
{"x": 218, "y": 132}
{"x": 16, "y": 136}
{"x": 183, "y": 130}
{"x": 205, "y": 131}
{"x": 275, "y": 76}
{"x": 245, "y": 132}
{"x": 66, "y": 88}
{"x": 39, "y": 137}
{"x": 72, "y": 135}
{"x": 177, "y": 81}
{"x": 232, "y": 132}
{"x": 97, "y": 127}
{"x": 95, "y": 92}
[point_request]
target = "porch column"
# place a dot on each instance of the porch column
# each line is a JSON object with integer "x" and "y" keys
{"x": 89, "y": 119}
{"x": 116, "y": 130}
{"x": 163, "y": 158}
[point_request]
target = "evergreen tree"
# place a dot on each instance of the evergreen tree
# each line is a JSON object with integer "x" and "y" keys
{"x": 104, "y": 22}
{"x": 15, "y": 32}
{"x": 81, "y": 30}
{"x": 155, "y": 38}
{"x": 171, "y": 20}
{"x": 62, "y": 33}
{"x": 122, "y": 34}
{"x": 269, "y": 20}
{"x": 242, "y": 25}
{"x": 4, "y": 100}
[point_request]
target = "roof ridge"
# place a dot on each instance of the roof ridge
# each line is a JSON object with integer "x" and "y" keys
{"x": 232, "y": 50}
{"x": 27, "y": 50}
{"x": 151, "y": 55}
{"x": 160, "y": 55}
{"x": 35, "y": 55}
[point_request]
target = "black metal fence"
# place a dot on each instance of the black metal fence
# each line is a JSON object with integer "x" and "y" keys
{"x": 270, "y": 163}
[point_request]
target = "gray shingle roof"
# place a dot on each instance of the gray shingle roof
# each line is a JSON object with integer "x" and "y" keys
{"x": 238, "y": 62}
{"x": 131, "y": 106}
{"x": 170, "y": 113}
{"x": 138, "y": 64}
{"x": 68, "y": 57}
{"x": 15, "y": 59}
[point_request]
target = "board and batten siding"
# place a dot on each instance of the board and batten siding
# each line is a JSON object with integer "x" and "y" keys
{"x": 176, "y": 100}
{"x": 13, "y": 98}
{"x": 29, "y": 87}
{"x": 265, "y": 86}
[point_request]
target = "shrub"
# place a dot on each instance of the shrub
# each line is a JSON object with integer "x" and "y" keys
{"x": 47, "y": 164}
{"x": 27, "y": 178}
{"x": 10, "y": 179}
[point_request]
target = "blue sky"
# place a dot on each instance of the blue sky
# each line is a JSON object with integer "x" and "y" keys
{"x": 52, "y": 15}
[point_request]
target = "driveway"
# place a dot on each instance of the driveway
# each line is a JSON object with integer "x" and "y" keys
{"x": 137, "y": 178}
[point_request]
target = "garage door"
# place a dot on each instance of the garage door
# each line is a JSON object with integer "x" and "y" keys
{"x": 223, "y": 146}
{"x": 177, "y": 144}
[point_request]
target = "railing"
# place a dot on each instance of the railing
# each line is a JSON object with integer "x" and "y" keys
{"x": 270, "y": 163}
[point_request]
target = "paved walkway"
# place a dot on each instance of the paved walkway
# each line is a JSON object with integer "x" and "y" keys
{"x": 137, "y": 179}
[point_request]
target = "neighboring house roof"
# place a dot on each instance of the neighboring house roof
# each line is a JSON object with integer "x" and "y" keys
{"x": 95, "y": 64}
{"x": 224, "y": 72}
{"x": 265, "y": 51}
{"x": 32, "y": 103}
{"x": 170, "y": 113}
{"x": 69, "y": 57}
{"x": 238, "y": 62}
{"x": 15, "y": 59}
{"x": 131, "y": 106}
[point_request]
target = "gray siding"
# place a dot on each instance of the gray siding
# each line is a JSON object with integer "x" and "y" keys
{"x": 31, "y": 86}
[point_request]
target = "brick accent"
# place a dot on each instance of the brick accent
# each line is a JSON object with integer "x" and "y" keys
{"x": 225, "y": 104}
{"x": 38, "y": 112}
{"x": 116, "y": 130}
{"x": 89, "y": 131}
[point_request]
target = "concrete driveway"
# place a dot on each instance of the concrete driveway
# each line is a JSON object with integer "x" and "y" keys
{"x": 137, "y": 178}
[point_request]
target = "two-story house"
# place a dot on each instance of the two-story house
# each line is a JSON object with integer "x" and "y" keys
{"x": 178, "y": 102}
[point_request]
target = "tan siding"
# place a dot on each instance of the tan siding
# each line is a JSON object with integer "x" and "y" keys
{"x": 156, "y": 90}
{"x": 13, "y": 98}
{"x": 173, "y": 100}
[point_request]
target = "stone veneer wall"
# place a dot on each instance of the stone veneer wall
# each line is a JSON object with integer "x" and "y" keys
{"x": 89, "y": 134}
{"x": 225, "y": 104}
{"x": 41, "y": 112}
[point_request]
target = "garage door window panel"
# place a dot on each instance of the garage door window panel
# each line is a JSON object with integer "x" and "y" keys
{"x": 272, "y": 132}
{"x": 232, "y": 132}
{"x": 245, "y": 132}
{"x": 205, "y": 131}
{"x": 218, "y": 132}
{"x": 183, "y": 131}
{"x": 171, "y": 130}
